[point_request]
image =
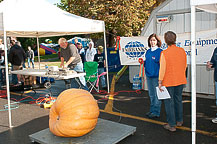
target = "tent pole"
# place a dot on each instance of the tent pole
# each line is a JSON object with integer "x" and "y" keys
{"x": 7, "y": 80}
{"x": 106, "y": 58}
{"x": 193, "y": 76}
{"x": 38, "y": 52}
{"x": 38, "y": 56}
{"x": 6, "y": 71}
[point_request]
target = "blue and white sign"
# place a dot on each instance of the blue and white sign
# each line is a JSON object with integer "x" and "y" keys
{"x": 132, "y": 48}
{"x": 206, "y": 42}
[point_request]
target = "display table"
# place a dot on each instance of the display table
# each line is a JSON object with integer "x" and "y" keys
{"x": 43, "y": 73}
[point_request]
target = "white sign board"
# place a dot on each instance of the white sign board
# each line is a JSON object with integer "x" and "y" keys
{"x": 132, "y": 48}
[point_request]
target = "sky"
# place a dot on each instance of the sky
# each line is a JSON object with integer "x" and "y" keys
{"x": 54, "y": 1}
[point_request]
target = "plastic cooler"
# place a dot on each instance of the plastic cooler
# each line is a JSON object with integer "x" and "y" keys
{"x": 137, "y": 82}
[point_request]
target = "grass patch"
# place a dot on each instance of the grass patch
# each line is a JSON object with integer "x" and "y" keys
{"x": 45, "y": 57}
{"x": 54, "y": 64}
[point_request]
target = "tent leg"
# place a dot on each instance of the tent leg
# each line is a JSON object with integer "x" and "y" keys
{"x": 106, "y": 58}
{"x": 7, "y": 80}
{"x": 38, "y": 55}
{"x": 193, "y": 76}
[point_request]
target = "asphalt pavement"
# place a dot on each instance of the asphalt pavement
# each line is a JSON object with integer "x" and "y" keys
{"x": 127, "y": 107}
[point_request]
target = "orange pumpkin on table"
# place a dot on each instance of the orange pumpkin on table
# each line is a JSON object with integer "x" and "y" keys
{"x": 74, "y": 114}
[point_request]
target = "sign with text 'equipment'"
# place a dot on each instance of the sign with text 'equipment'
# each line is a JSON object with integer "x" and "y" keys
{"x": 133, "y": 48}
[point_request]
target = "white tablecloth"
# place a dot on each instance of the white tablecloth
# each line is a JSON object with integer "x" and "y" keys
{"x": 43, "y": 73}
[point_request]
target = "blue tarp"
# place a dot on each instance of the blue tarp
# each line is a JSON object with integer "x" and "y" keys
{"x": 114, "y": 64}
{"x": 83, "y": 41}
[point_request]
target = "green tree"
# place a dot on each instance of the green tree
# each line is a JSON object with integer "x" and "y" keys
{"x": 122, "y": 17}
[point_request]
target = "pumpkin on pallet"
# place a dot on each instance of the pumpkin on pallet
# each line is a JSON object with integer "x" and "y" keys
{"x": 75, "y": 113}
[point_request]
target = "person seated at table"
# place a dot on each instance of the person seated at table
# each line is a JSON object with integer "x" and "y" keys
{"x": 69, "y": 53}
{"x": 16, "y": 58}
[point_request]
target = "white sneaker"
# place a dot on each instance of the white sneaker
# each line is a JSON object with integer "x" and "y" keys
{"x": 19, "y": 84}
{"x": 214, "y": 120}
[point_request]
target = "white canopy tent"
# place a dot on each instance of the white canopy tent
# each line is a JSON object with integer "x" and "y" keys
{"x": 209, "y": 6}
{"x": 38, "y": 18}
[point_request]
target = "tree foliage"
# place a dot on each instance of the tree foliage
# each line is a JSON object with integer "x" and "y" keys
{"x": 122, "y": 17}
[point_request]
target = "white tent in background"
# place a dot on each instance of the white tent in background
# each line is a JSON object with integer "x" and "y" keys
{"x": 38, "y": 18}
{"x": 209, "y": 6}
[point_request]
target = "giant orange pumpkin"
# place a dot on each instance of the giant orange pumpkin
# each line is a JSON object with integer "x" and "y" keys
{"x": 74, "y": 113}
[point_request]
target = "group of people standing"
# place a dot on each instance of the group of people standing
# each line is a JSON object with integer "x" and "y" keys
{"x": 166, "y": 68}
{"x": 75, "y": 56}
{"x": 17, "y": 57}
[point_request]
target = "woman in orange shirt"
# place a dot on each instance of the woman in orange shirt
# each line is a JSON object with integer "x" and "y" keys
{"x": 173, "y": 63}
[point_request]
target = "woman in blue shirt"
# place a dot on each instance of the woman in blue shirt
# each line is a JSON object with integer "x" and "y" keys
{"x": 152, "y": 67}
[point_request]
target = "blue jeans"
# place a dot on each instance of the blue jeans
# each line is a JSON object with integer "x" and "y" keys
{"x": 102, "y": 78}
{"x": 2, "y": 76}
{"x": 24, "y": 66}
{"x": 173, "y": 106}
{"x": 216, "y": 93}
{"x": 155, "y": 107}
{"x": 32, "y": 61}
{"x": 79, "y": 68}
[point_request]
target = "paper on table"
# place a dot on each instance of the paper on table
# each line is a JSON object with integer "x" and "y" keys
{"x": 164, "y": 94}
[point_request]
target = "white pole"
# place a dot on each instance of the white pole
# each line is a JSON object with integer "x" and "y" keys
{"x": 193, "y": 76}
{"x": 6, "y": 71}
{"x": 38, "y": 52}
{"x": 106, "y": 58}
{"x": 39, "y": 65}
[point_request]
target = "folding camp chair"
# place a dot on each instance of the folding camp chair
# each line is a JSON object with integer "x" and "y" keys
{"x": 91, "y": 69}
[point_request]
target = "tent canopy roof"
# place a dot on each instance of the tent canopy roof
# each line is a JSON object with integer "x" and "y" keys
{"x": 202, "y": 2}
{"x": 206, "y": 5}
{"x": 38, "y": 18}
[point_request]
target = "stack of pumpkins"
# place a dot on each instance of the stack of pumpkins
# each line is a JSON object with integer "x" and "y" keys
{"x": 75, "y": 113}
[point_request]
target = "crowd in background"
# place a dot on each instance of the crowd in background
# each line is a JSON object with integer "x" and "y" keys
{"x": 16, "y": 57}
{"x": 74, "y": 56}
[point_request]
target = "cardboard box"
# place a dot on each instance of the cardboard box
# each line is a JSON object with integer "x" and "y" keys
{"x": 29, "y": 80}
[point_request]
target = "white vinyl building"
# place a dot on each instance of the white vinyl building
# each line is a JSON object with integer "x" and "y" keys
{"x": 175, "y": 15}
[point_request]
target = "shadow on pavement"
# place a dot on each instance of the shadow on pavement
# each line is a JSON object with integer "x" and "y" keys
{"x": 20, "y": 134}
